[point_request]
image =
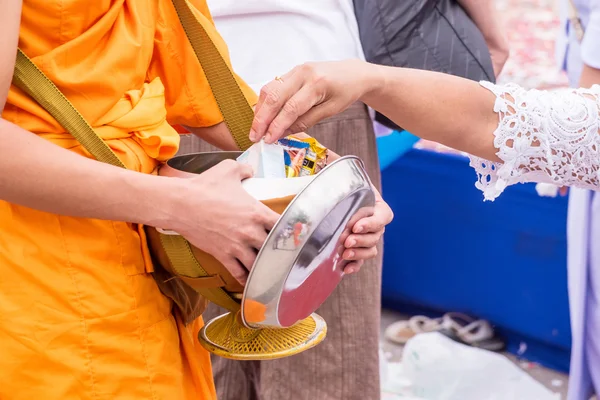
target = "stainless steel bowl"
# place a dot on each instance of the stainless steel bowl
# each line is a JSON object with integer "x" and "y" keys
{"x": 189, "y": 165}
{"x": 300, "y": 263}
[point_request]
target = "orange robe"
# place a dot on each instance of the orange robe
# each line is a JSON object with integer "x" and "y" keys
{"x": 80, "y": 316}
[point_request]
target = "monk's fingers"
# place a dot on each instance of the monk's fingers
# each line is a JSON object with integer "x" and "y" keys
{"x": 353, "y": 267}
{"x": 382, "y": 216}
{"x": 360, "y": 254}
{"x": 364, "y": 240}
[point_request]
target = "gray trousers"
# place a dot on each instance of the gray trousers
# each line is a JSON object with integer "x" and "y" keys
{"x": 346, "y": 365}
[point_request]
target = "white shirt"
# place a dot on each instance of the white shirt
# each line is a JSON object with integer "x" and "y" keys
{"x": 267, "y": 38}
{"x": 570, "y": 53}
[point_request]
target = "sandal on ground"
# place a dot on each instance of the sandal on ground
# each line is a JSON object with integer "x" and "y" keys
{"x": 401, "y": 331}
{"x": 472, "y": 332}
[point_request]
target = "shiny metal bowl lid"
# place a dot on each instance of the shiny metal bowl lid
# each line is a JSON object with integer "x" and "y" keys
{"x": 300, "y": 263}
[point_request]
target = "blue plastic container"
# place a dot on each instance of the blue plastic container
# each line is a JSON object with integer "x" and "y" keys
{"x": 504, "y": 261}
{"x": 393, "y": 146}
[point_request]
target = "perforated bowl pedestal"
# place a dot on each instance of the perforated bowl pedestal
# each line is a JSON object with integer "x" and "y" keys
{"x": 227, "y": 337}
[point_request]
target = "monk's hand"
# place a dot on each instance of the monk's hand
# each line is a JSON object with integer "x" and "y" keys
{"x": 362, "y": 243}
{"x": 218, "y": 216}
{"x": 306, "y": 95}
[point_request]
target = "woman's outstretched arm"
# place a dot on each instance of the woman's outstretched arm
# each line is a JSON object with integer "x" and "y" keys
{"x": 450, "y": 110}
{"x": 529, "y": 135}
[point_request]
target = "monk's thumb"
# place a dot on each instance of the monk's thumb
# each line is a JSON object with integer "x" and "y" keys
{"x": 244, "y": 171}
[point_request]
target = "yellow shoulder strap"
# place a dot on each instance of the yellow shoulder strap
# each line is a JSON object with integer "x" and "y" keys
{"x": 30, "y": 79}
{"x": 237, "y": 115}
{"x": 236, "y": 111}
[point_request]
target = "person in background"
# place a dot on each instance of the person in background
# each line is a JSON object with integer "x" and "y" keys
{"x": 465, "y": 38}
{"x": 578, "y": 53}
{"x": 288, "y": 33}
{"x": 488, "y": 20}
{"x": 346, "y": 365}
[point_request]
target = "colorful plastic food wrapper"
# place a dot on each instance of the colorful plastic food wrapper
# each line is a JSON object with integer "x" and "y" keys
{"x": 294, "y": 153}
{"x": 303, "y": 156}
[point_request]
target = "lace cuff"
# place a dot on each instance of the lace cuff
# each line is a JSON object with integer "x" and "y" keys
{"x": 548, "y": 137}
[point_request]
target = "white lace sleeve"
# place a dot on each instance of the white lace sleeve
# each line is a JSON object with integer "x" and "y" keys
{"x": 550, "y": 137}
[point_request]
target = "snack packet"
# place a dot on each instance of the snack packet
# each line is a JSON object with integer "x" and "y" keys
{"x": 294, "y": 153}
{"x": 316, "y": 156}
{"x": 303, "y": 156}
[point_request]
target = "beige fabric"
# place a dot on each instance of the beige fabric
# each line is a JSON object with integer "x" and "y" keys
{"x": 346, "y": 365}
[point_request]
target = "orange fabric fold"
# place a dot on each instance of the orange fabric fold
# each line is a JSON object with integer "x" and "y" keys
{"x": 139, "y": 116}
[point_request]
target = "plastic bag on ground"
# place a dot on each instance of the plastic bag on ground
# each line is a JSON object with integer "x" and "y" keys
{"x": 435, "y": 367}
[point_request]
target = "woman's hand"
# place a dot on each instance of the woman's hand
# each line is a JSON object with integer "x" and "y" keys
{"x": 218, "y": 216}
{"x": 361, "y": 244}
{"x": 308, "y": 94}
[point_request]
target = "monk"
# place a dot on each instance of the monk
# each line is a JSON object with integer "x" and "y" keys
{"x": 80, "y": 315}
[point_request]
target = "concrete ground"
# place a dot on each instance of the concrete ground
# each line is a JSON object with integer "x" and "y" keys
{"x": 555, "y": 381}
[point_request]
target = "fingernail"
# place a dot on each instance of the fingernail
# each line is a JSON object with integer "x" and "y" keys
{"x": 252, "y": 135}
{"x": 350, "y": 255}
{"x": 358, "y": 229}
{"x": 268, "y": 138}
{"x": 349, "y": 271}
{"x": 351, "y": 243}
